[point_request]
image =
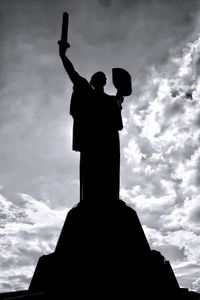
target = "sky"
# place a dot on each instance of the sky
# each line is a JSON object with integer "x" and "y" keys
{"x": 158, "y": 42}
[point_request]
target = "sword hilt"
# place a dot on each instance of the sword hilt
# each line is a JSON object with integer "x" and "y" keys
{"x": 63, "y": 43}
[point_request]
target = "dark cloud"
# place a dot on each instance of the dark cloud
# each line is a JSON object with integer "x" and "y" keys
{"x": 175, "y": 108}
{"x": 195, "y": 215}
{"x": 105, "y": 3}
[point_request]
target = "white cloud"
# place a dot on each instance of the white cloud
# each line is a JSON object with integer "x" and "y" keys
{"x": 196, "y": 285}
{"x": 163, "y": 183}
{"x": 27, "y": 231}
{"x": 128, "y": 153}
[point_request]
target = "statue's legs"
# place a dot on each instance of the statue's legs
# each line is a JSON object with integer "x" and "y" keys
{"x": 110, "y": 166}
{"x": 100, "y": 170}
{"x": 88, "y": 176}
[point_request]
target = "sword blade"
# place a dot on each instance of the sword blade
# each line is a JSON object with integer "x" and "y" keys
{"x": 64, "y": 32}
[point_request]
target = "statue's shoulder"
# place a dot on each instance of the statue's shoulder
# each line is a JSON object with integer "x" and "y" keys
{"x": 81, "y": 83}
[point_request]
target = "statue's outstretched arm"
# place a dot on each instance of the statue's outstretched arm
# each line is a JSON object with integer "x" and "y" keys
{"x": 69, "y": 68}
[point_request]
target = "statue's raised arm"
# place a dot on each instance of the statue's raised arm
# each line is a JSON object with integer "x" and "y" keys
{"x": 69, "y": 68}
{"x": 63, "y": 46}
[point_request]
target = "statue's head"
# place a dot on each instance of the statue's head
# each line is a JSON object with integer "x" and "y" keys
{"x": 98, "y": 79}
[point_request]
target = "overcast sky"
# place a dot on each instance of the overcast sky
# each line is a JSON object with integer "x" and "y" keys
{"x": 158, "y": 42}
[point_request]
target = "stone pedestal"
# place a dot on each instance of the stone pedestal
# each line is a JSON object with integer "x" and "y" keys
{"x": 102, "y": 253}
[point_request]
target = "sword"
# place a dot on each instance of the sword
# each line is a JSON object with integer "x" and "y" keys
{"x": 64, "y": 31}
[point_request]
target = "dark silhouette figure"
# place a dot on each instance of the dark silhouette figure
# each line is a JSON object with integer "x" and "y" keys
{"x": 97, "y": 120}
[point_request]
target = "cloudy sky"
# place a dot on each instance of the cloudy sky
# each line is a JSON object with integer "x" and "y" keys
{"x": 158, "y": 42}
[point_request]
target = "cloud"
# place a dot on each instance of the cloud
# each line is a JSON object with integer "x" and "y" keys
{"x": 187, "y": 273}
{"x": 105, "y": 3}
{"x": 29, "y": 229}
{"x": 181, "y": 248}
{"x": 162, "y": 162}
{"x": 196, "y": 285}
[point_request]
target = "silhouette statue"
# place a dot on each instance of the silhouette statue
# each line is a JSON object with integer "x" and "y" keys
{"x": 97, "y": 120}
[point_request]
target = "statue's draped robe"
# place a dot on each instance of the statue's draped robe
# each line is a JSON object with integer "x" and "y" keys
{"x": 97, "y": 120}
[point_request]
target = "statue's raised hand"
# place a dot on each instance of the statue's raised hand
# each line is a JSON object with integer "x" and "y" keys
{"x": 63, "y": 46}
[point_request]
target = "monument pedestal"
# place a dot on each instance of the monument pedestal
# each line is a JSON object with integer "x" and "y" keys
{"x": 102, "y": 252}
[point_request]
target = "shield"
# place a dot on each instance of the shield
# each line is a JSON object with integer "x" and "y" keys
{"x": 122, "y": 81}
